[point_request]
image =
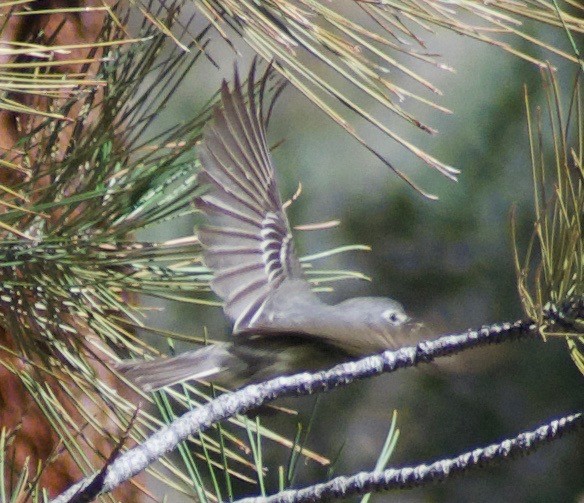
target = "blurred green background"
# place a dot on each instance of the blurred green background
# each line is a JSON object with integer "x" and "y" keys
{"x": 449, "y": 262}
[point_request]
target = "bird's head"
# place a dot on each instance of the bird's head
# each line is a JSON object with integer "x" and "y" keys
{"x": 377, "y": 309}
{"x": 382, "y": 316}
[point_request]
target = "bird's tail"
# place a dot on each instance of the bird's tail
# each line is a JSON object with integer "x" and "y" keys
{"x": 235, "y": 364}
{"x": 207, "y": 362}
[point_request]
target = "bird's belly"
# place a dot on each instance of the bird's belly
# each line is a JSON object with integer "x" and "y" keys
{"x": 273, "y": 355}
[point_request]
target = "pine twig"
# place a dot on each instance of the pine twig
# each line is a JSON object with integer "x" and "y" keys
{"x": 423, "y": 474}
{"x": 228, "y": 405}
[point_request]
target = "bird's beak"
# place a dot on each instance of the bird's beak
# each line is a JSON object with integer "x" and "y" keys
{"x": 414, "y": 327}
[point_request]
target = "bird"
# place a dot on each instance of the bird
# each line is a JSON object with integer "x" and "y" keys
{"x": 280, "y": 326}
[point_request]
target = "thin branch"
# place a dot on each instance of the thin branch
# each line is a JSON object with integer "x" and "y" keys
{"x": 195, "y": 421}
{"x": 421, "y": 475}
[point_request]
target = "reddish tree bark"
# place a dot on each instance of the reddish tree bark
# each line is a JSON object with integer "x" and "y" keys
{"x": 34, "y": 441}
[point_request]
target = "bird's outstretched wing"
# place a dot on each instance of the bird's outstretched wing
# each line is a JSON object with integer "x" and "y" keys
{"x": 248, "y": 243}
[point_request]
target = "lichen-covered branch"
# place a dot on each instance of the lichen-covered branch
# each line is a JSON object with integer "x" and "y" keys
{"x": 423, "y": 474}
{"x": 167, "y": 438}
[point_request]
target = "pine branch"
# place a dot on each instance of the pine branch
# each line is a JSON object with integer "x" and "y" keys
{"x": 423, "y": 474}
{"x": 302, "y": 37}
{"x": 251, "y": 397}
{"x": 558, "y": 239}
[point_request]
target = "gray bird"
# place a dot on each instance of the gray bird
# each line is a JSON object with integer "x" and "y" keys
{"x": 280, "y": 325}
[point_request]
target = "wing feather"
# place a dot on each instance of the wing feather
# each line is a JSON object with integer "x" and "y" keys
{"x": 248, "y": 243}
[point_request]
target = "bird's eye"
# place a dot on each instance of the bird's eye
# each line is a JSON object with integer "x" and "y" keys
{"x": 393, "y": 317}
